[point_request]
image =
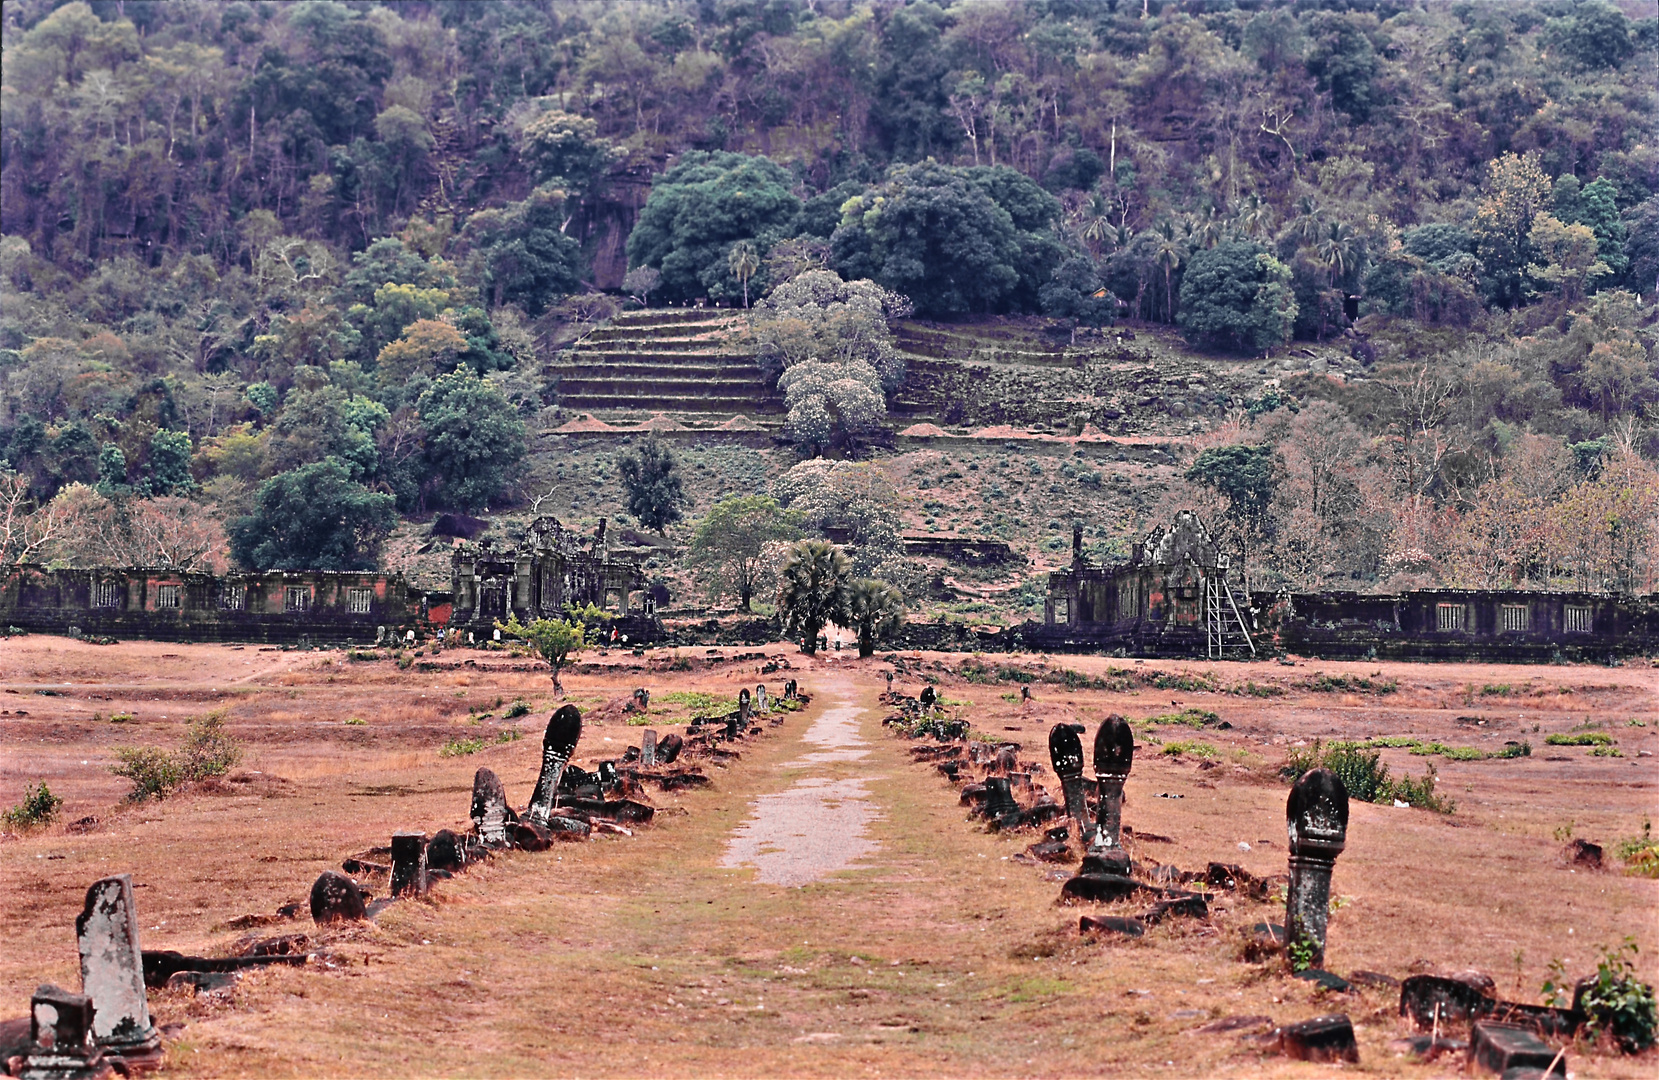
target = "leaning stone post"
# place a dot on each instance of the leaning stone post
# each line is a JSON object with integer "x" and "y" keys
{"x": 1065, "y": 753}
{"x": 1316, "y": 816}
{"x": 112, "y": 970}
{"x": 489, "y": 808}
{"x": 564, "y": 730}
{"x": 1114, "y": 755}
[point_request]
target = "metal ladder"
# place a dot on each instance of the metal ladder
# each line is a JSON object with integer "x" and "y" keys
{"x": 1224, "y": 627}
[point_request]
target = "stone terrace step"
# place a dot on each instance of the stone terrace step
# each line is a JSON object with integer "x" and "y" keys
{"x": 646, "y": 372}
{"x": 669, "y": 317}
{"x": 588, "y": 384}
{"x": 669, "y": 403}
{"x": 660, "y": 345}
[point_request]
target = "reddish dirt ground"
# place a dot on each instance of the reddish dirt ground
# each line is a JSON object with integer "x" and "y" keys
{"x": 935, "y": 952}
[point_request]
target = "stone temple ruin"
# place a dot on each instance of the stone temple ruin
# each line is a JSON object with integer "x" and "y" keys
{"x": 1178, "y": 595}
{"x": 550, "y": 568}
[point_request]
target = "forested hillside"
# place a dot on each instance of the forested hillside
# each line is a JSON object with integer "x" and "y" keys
{"x": 261, "y": 257}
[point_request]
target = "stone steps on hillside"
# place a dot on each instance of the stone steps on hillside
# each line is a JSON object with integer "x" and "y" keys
{"x": 665, "y": 361}
{"x": 747, "y": 405}
{"x": 585, "y": 383}
{"x": 645, "y": 370}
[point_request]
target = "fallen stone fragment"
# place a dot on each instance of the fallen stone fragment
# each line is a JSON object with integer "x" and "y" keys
{"x": 1190, "y": 904}
{"x": 1374, "y": 979}
{"x": 1500, "y": 1048}
{"x": 363, "y": 866}
{"x": 1227, "y": 876}
{"x": 1107, "y": 860}
{"x": 528, "y": 836}
{"x": 564, "y": 731}
{"x": 445, "y": 852}
{"x": 1431, "y": 1000}
{"x": 1427, "y": 1048}
{"x": 409, "y": 876}
{"x": 160, "y": 965}
{"x": 1099, "y": 888}
{"x": 112, "y": 971}
{"x": 1322, "y": 1039}
{"x": 1111, "y": 924}
{"x": 1325, "y": 980}
{"x": 203, "y": 982}
{"x": 1585, "y": 854}
{"x": 278, "y": 945}
{"x": 336, "y": 898}
{"x": 562, "y": 827}
{"x": 1055, "y": 851}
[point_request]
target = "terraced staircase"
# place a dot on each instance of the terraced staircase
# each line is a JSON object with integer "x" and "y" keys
{"x": 672, "y": 362}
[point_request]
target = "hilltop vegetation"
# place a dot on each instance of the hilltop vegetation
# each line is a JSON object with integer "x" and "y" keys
{"x": 260, "y": 253}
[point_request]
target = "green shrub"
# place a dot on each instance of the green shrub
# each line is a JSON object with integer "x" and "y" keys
{"x": 208, "y": 750}
{"x": 1616, "y": 1001}
{"x": 700, "y": 705}
{"x": 1606, "y": 751}
{"x": 1515, "y": 750}
{"x": 1255, "y": 689}
{"x": 355, "y": 721}
{"x": 1187, "y": 718}
{"x": 39, "y": 807}
{"x": 1189, "y": 746}
{"x": 1365, "y": 776}
{"x": 518, "y": 708}
{"x": 1331, "y": 684}
{"x": 461, "y": 747}
{"x": 1582, "y": 738}
{"x": 153, "y": 771}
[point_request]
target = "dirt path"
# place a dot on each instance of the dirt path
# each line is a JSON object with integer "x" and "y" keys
{"x": 820, "y": 824}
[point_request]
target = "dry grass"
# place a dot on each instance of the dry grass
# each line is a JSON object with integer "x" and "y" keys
{"x": 630, "y": 956}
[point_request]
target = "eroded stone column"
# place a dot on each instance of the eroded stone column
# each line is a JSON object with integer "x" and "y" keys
{"x": 409, "y": 864}
{"x": 1065, "y": 753}
{"x": 558, "y": 743}
{"x": 1114, "y": 755}
{"x": 1316, "y": 816}
{"x": 112, "y": 969}
{"x": 648, "y": 749}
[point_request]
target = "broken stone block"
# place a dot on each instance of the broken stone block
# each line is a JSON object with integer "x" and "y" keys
{"x": 528, "y": 836}
{"x": 642, "y": 698}
{"x": 1227, "y": 876}
{"x": 1000, "y": 806}
{"x": 1114, "y": 755}
{"x": 789, "y": 689}
{"x": 1374, "y": 979}
{"x": 490, "y": 812}
{"x": 61, "y": 1044}
{"x": 160, "y": 965}
{"x": 1108, "y": 860}
{"x": 1585, "y": 854}
{"x": 1325, "y": 980}
{"x": 1431, "y": 1000}
{"x": 1055, "y": 851}
{"x": 561, "y": 827}
{"x": 1099, "y": 888}
{"x": 1500, "y": 1048}
{"x": 1065, "y": 753}
{"x": 1190, "y": 905}
{"x": 1322, "y": 1039}
{"x": 564, "y": 731}
{"x": 760, "y": 699}
{"x": 1316, "y": 815}
{"x": 445, "y": 852}
{"x": 1111, "y": 924}
{"x": 336, "y": 898}
{"x": 409, "y": 864}
{"x": 1227, "y": 1025}
{"x": 648, "y": 749}
{"x": 112, "y": 970}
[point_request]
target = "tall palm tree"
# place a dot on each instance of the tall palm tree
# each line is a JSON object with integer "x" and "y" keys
{"x": 1255, "y": 216}
{"x": 812, "y": 590}
{"x": 874, "y": 609}
{"x": 1336, "y": 249}
{"x": 1167, "y": 256}
{"x": 1309, "y": 222}
{"x": 743, "y": 261}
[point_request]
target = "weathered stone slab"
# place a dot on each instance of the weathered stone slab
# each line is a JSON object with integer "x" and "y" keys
{"x": 761, "y": 704}
{"x": 409, "y": 876}
{"x": 1428, "y": 1000}
{"x": 336, "y": 898}
{"x": 648, "y": 749}
{"x": 528, "y": 836}
{"x": 203, "y": 982}
{"x": 1111, "y": 924}
{"x": 1107, "y": 860}
{"x": 1316, "y": 816}
{"x": 1584, "y": 854}
{"x": 1322, "y": 1039}
{"x": 490, "y": 813}
{"x": 564, "y": 731}
{"x": 61, "y": 1046}
{"x": 160, "y": 965}
{"x": 1190, "y": 905}
{"x": 1499, "y": 1048}
{"x": 112, "y": 970}
{"x": 1325, "y": 980}
{"x": 1000, "y": 807}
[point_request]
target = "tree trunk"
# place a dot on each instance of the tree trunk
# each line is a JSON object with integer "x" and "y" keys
{"x": 866, "y": 644}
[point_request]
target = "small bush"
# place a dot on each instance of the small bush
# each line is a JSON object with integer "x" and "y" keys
{"x": 121, "y": 718}
{"x": 208, "y": 750}
{"x": 153, "y": 771}
{"x": 1619, "y": 1003}
{"x": 39, "y": 807}
{"x": 461, "y": 747}
{"x": 1255, "y": 689}
{"x": 1331, "y": 684}
{"x": 356, "y": 721}
{"x": 700, "y": 705}
{"x": 518, "y": 708}
{"x": 1365, "y": 776}
{"x": 1515, "y": 750}
{"x": 1190, "y": 746}
{"x": 1582, "y": 738}
{"x": 1187, "y": 718}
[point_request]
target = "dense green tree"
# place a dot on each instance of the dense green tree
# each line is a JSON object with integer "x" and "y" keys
{"x": 651, "y": 480}
{"x": 734, "y": 545}
{"x": 701, "y": 208}
{"x": 474, "y": 439}
{"x": 169, "y": 464}
{"x": 313, "y": 518}
{"x": 521, "y": 255}
{"x": 812, "y": 591}
{"x": 1236, "y": 295}
{"x": 1248, "y": 476}
{"x": 952, "y": 240}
